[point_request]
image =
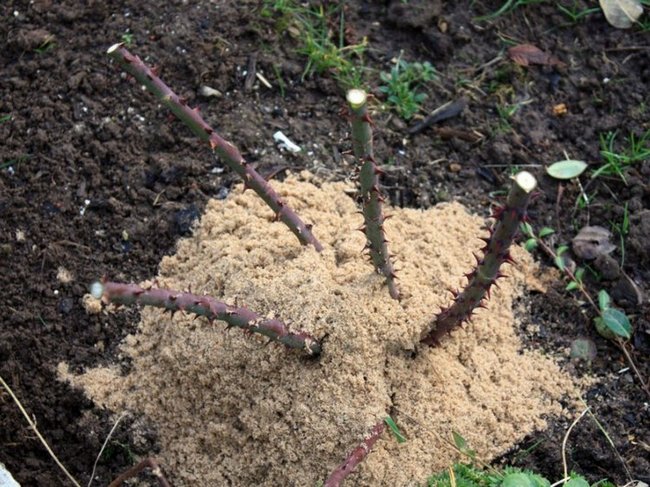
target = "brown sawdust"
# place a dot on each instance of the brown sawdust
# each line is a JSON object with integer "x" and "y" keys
{"x": 232, "y": 411}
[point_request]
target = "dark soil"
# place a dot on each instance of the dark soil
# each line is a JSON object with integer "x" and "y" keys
{"x": 96, "y": 180}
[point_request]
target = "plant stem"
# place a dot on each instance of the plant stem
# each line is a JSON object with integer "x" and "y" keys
{"x": 369, "y": 188}
{"x": 275, "y": 330}
{"x": 355, "y": 457}
{"x": 224, "y": 149}
{"x": 496, "y": 252}
{"x": 583, "y": 290}
{"x": 32, "y": 424}
{"x": 569, "y": 273}
{"x": 149, "y": 463}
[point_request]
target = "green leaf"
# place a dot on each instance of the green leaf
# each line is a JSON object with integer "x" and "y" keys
{"x": 580, "y": 272}
{"x": 518, "y": 479}
{"x": 459, "y": 441}
{"x": 545, "y": 232}
{"x": 559, "y": 261}
{"x": 568, "y": 169}
{"x": 572, "y": 286}
{"x": 393, "y": 427}
{"x": 603, "y": 300}
{"x": 527, "y": 229}
{"x": 530, "y": 244}
{"x": 577, "y": 481}
{"x": 617, "y": 322}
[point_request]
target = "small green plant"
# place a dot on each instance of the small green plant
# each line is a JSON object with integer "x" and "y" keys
{"x": 468, "y": 475}
{"x": 402, "y": 84}
{"x": 322, "y": 39}
{"x": 507, "y": 7}
{"x": 127, "y": 39}
{"x": 45, "y": 46}
{"x": 394, "y": 429}
{"x": 610, "y": 322}
{"x": 506, "y": 112}
{"x": 13, "y": 162}
{"x": 622, "y": 229}
{"x": 574, "y": 13}
{"x": 616, "y": 163}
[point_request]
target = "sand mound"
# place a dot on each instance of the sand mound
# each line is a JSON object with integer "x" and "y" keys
{"x": 231, "y": 411}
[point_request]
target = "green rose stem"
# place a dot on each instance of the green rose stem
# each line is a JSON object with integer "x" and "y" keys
{"x": 495, "y": 252}
{"x": 210, "y": 308}
{"x": 355, "y": 457}
{"x": 369, "y": 188}
{"x": 224, "y": 149}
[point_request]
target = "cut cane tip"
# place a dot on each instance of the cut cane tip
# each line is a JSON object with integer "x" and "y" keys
{"x": 525, "y": 181}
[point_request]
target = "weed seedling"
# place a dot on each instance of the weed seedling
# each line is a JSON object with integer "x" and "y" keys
{"x": 610, "y": 322}
{"x": 322, "y": 40}
{"x": 506, "y": 112}
{"x": 574, "y": 13}
{"x": 13, "y": 162}
{"x": 507, "y": 7}
{"x": 46, "y": 45}
{"x": 402, "y": 84}
{"x": 616, "y": 163}
{"x": 127, "y": 39}
{"x": 622, "y": 229}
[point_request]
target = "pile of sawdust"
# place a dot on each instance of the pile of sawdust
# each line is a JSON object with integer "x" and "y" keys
{"x": 231, "y": 411}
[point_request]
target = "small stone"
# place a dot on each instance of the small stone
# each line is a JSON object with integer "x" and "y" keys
{"x": 208, "y": 92}
{"x": 91, "y": 304}
{"x": 500, "y": 152}
{"x": 560, "y": 109}
{"x": 63, "y": 275}
{"x": 607, "y": 266}
{"x": 591, "y": 242}
{"x": 184, "y": 220}
{"x": 65, "y": 305}
{"x": 455, "y": 167}
{"x": 397, "y": 124}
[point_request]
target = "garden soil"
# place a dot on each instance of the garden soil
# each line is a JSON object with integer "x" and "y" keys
{"x": 96, "y": 179}
{"x": 230, "y": 411}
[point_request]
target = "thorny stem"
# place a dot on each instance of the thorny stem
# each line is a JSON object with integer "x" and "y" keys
{"x": 369, "y": 188}
{"x": 210, "y": 308}
{"x": 355, "y": 457}
{"x": 583, "y": 290}
{"x": 224, "y": 149}
{"x": 496, "y": 252}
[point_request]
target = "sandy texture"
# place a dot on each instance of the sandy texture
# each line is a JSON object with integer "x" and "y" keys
{"x": 230, "y": 410}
